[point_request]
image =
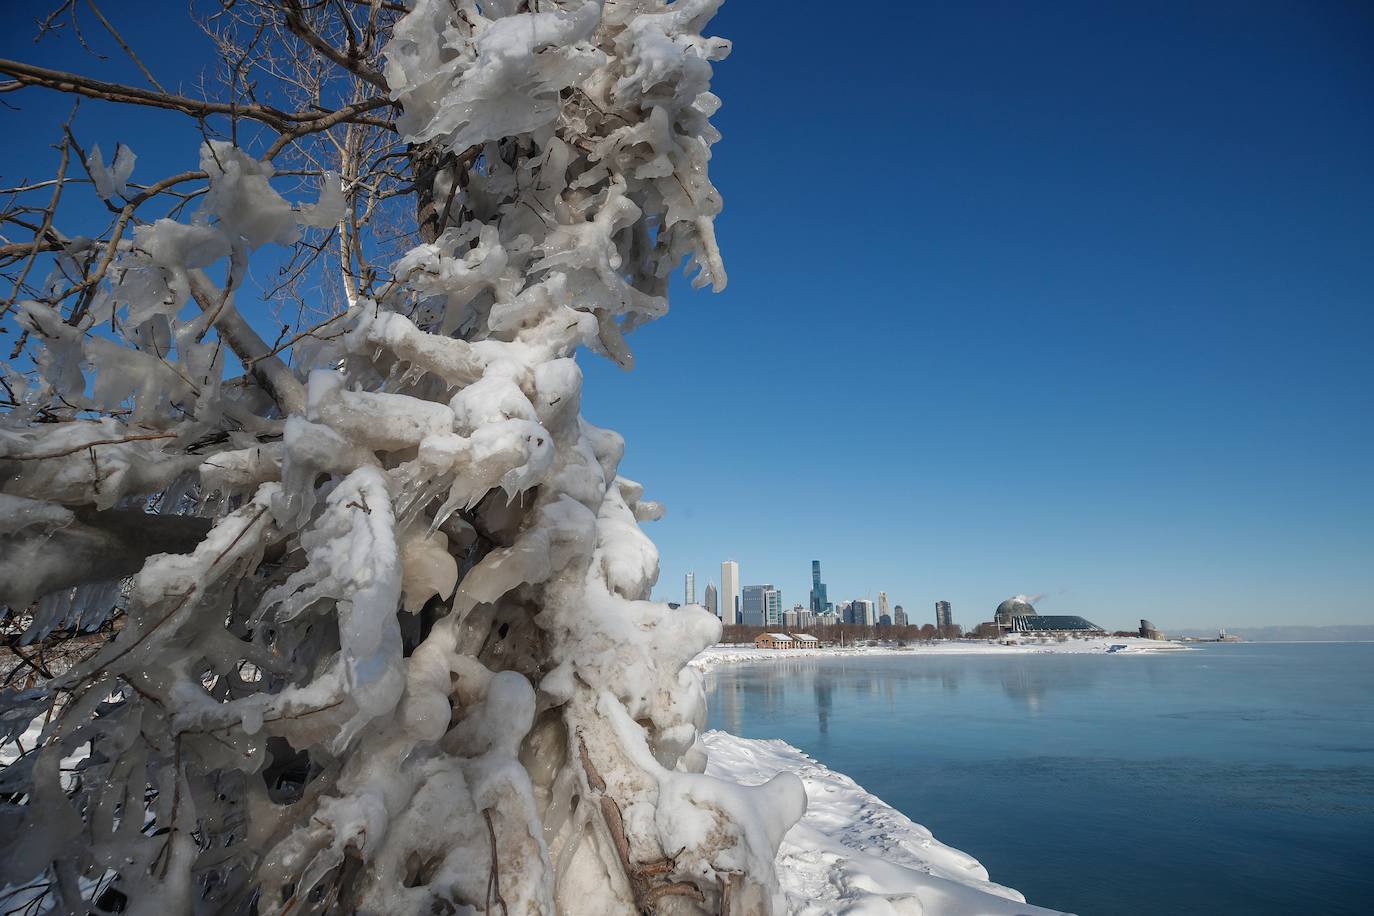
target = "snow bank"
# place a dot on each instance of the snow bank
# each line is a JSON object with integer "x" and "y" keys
{"x": 852, "y": 852}
{"x": 719, "y": 654}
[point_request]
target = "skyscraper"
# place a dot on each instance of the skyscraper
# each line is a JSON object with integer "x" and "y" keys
{"x": 860, "y": 612}
{"x": 689, "y": 593}
{"x": 772, "y": 598}
{"x": 819, "y": 601}
{"x": 711, "y": 603}
{"x": 883, "y": 609}
{"x": 899, "y": 616}
{"x": 943, "y": 618}
{"x": 729, "y": 592}
{"x": 754, "y": 605}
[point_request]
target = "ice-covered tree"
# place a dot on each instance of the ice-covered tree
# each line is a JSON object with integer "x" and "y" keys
{"x": 357, "y": 620}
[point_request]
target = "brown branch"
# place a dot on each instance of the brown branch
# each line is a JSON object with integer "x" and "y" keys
{"x": 676, "y": 889}
{"x": 593, "y": 777}
{"x": 39, "y": 244}
{"x": 293, "y": 14}
{"x": 291, "y": 342}
{"x": 383, "y": 4}
{"x": 36, "y": 245}
{"x": 646, "y": 893}
{"x": 352, "y": 113}
{"x": 35, "y": 665}
{"x": 276, "y": 118}
{"x": 268, "y": 371}
{"x": 126, "y": 214}
{"x": 494, "y": 876}
{"x": 62, "y": 81}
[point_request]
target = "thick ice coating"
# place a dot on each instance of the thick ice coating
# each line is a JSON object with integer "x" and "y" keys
{"x": 399, "y": 657}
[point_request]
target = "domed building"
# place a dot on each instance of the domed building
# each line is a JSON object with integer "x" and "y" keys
{"x": 1018, "y": 615}
{"x": 1019, "y": 606}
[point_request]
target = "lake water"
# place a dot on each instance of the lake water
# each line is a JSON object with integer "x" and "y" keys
{"x": 1233, "y": 779}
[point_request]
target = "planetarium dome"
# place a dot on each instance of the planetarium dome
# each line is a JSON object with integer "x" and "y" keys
{"x": 1013, "y": 607}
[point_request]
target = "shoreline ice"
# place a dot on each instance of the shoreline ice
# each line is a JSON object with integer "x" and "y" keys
{"x": 726, "y": 654}
{"x": 854, "y": 853}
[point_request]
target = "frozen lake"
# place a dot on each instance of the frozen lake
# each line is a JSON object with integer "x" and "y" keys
{"x": 1234, "y": 779}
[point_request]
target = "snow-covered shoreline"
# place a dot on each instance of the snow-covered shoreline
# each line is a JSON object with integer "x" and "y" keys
{"x": 725, "y": 654}
{"x": 853, "y": 852}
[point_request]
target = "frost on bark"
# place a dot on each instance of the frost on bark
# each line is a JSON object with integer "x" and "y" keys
{"x": 386, "y": 645}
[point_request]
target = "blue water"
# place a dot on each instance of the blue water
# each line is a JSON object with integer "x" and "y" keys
{"x": 1233, "y": 779}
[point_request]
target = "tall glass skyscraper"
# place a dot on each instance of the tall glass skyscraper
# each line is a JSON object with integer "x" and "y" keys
{"x": 753, "y": 606}
{"x": 689, "y": 592}
{"x": 761, "y": 606}
{"x": 818, "y": 596}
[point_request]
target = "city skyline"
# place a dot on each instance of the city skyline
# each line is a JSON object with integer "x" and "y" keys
{"x": 764, "y": 604}
{"x": 978, "y": 604}
{"x": 1124, "y": 365}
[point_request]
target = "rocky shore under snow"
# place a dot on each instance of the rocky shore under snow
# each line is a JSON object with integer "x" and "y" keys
{"x": 853, "y": 853}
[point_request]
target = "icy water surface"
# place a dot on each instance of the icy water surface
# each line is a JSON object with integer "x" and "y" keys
{"x": 1234, "y": 779}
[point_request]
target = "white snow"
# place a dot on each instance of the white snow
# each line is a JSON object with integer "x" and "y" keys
{"x": 853, "y": 853}
{"x": 724, "y": 654}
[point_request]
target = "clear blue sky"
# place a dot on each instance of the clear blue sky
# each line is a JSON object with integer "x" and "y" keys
{"x": 1069, "y": 298}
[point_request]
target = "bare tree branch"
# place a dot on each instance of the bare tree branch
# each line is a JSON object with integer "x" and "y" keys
{"x": 285, "y": 122}
{"x": 125, "y": 45}
{"x": 269, "y": 370}
{"x": 40, "y": 236}
{"x": 294, "y": 16}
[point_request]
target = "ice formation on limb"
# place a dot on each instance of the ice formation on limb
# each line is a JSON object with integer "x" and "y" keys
{"x": 394, "y": 653}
